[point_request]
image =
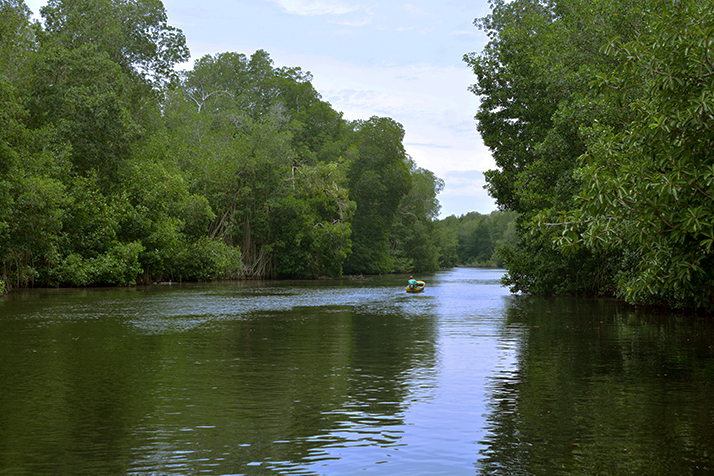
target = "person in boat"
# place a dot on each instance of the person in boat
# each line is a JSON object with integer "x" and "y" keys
{"x": 412, "y": 282}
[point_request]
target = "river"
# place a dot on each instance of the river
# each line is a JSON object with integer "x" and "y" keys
{"x": 350, "y": 376}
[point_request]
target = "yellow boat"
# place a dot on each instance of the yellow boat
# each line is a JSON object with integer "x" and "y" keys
{"x": 416, "y": 289}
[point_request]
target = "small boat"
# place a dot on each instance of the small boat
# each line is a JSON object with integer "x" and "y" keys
{"x": 418, "y": 288}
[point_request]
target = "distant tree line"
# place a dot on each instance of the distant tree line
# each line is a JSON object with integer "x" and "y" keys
{"x": 116, "y": 169}
{"x": 600, "y": 117}
{"x": 474, "y": 239}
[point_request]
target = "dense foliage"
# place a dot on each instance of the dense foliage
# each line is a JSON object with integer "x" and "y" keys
{"x": 600, "y": 115}
{"x": 117, "y": 169}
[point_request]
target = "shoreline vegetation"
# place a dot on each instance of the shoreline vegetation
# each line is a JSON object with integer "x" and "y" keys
{"x": 475, "y": 241}
{"x": 600, "y": 118}
{"x": 116, "y": 169}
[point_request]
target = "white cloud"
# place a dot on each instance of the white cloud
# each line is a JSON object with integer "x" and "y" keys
{"x": 470, "y": 33}
{"x": 316, "y": 7}
{"x": 353, "y": 23}
{"x": 398, "y": 29}
{"x": 414, "y": 10}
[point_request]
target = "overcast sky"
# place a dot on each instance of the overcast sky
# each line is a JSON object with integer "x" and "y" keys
{"x": 401, "y": 59}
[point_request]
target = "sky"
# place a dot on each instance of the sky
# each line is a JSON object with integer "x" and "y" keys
{"x": 397, "y": 58}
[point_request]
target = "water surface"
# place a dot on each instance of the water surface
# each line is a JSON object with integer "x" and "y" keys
{"x": 349, "y": 377}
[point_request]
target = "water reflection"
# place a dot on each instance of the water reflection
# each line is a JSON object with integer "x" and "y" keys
{"x": 221, "y": 379}
{"x": 287, "y": 386}
{"x": 349, "y": 376}
{"x": 598, "y": 387}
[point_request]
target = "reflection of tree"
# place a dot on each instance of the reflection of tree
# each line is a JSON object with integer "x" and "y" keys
{"x": 601, "y": 388}
{"x": 71, "y": 386}
{"x": 183, "y": 381}
{"x": 290, "y": 383}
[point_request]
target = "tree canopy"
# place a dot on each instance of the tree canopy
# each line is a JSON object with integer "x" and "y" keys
{"x": 117, "y": 168}
{"x": 599, "y": 116}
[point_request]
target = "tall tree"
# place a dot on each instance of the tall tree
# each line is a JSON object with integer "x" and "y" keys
{"x": 83, "y": 96}
{"x": 312, "y": 224}
{"x": 255, "y": 140}
{"x": 649, "y": 188}
{"x": 16, "y": 40}
{"x": 134, "y": 34}
{"x": 414, "y": 237}
{"x": 378, "y": 179}
{"x": 537, "y": 115}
